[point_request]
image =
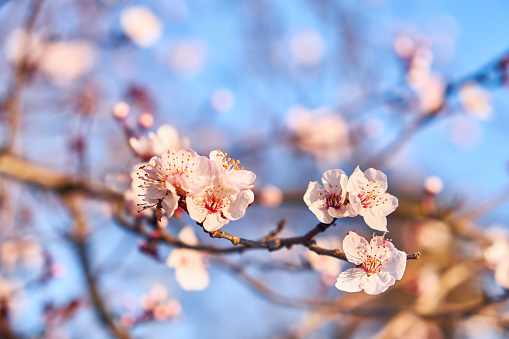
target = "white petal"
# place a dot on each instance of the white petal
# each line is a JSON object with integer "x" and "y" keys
{"x": 170, "y": 203}
{"x": 333, "y": 179}
{"x": 321, "y": 212}
{"x": 214, "y": 221}
{"x": 192, "y": 279}
{"x": 311, "y": 194}
{"x": 377, "y": 175}
{"x": 353, "y": 246}
{"x": 396, "y": 265}
{"x": 238, "y": 206}
{"x": 378, "y": 283}
{"x": 196, "y": 208}
{"x": 351, "y": 280}
{"x": 375, "y": 220}
{"x": 356, "y": 181}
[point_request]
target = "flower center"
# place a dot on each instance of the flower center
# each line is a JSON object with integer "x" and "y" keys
{"x": 214, "y": 203}
{"x": 216, "y": 199}
{"x": 333, "y": 200}
{"x": 179, "y": 164}
{"x": 373, "y": 258}
{"x": 228, "y": 164}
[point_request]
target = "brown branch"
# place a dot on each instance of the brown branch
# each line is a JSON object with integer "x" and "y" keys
{"x": 22, "y": 72}
{"x": 79, "y": 239}
{"x": 63, "y": 184}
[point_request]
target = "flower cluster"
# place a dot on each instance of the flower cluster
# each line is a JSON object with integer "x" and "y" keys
{"x": 213, "y": 190}
{"x": 378, "y": 263}
{"x": 364, "y": 193}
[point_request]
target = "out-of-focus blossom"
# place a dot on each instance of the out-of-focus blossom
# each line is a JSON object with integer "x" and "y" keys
{"x": 433, "y": 185}
{"x": 174, "y": 174}
{"x": 496, "y": 257}
{"x": 65, "y": 61}
{"x": 329, "y": 201}
{"x": 404, "y": 46}
{"x": 434, "y": 235}
{"x": 407, "y": 325}
{"x": 368, "y": 197}
{"x": 428, "y": 288}
{"x": 24, "y": 251}
{"x": 21, "y": 45}
{"x": 222, "y": 100}
{"x": 379, "y": 265}
{"x": 120, "y": 110}
{"x": 430, "y": 89}
{"x": 271, "y": 196}
{"x": 146, "y": 120}
{"x": 156, "y": 143}
{"x": 328, "y": 266}
{"x": 319, "y": 132}
{"x": 141, "y": 25}
{"x": 307, "y": 48}
{"x": 157, "y": 303}
{"x": 218, "y": 204}
{"x": 190, "y": 269}
{"x": 9, "y": 252}
{"x": 188, "y": 57}
{"x": 475, "y": 101}
{"x": 428, "y": 85}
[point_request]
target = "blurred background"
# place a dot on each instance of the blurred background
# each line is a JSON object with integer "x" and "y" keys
{"x": 417, "y": 89}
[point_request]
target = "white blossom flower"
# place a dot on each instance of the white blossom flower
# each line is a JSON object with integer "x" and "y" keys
{"x": 368, "y": 197}
{"x": 166, "y": 138}
{"x": 190, "y": 269}
{"x": 217, "y": 204}
{"x": 379, "y": 265}
{"x": 175, "y": 174}
{"x": 329, "y": 201}
{"x": 236, "y": 176}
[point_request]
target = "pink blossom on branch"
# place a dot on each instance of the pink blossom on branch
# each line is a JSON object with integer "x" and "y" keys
{"x": 329, "y": 201}
{"x": 378, "y": 265}
{"x": 175, "y": 174}
{"x": 368, "y": 197}
{"x": 217, "y": 204}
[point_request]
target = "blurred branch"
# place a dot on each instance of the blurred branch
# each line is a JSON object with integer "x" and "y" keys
{"x": 11, "y": 104}
{"x": 79, "y": 239}
{"x": 493, "y": 73}
{"x": 22, "y": 170}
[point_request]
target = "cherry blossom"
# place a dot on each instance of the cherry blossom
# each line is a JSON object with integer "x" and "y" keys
{"x": 156, "y": 143}
{"x": 219, "y": 203}
{"x": 329, "y": 201}
{"x": 236, "y": 176}
{"x": 190, "y": 269}
{"x": 175, "y": 174}
{"x": 378, "y": 265}
{"x": 368, "y": 197}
